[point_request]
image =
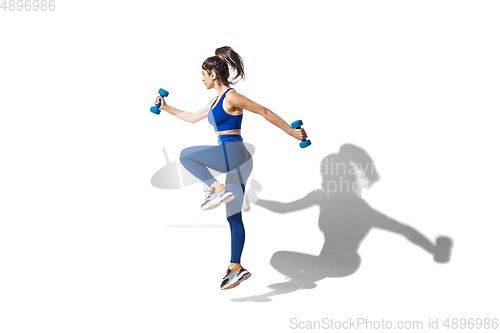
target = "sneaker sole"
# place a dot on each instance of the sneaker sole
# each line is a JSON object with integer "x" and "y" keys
{"x": 225, "y": 199}
{"x": 237, "y": 283}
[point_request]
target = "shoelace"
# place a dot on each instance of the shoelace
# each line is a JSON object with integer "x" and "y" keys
{"x": 210, "y": 192}
{"x": 229, "y": 270}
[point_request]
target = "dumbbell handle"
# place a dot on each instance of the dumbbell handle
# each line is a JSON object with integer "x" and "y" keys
{"x": 303, "y": 140}
{"x": 297, "y": 125}
{"x": 300, "y": 127}
{"x": 156, "y": 109}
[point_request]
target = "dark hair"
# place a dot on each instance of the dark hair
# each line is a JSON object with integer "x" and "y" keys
{"x": 225, "y": 57}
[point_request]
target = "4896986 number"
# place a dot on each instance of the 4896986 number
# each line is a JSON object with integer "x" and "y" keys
{"x": 471, "y": 323}
{"x": 28, "y": 5}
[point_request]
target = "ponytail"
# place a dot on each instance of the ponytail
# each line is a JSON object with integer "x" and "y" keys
{"x": 225, "y": 58}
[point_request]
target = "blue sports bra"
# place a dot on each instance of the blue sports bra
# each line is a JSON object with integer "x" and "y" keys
{"x": 220, "y": 119}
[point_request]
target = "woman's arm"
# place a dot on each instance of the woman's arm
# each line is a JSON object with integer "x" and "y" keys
{"x": 184, "y": 115}
{"x": 242, "y": 102}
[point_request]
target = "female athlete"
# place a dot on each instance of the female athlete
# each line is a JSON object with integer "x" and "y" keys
{"x": 225, "y": 114}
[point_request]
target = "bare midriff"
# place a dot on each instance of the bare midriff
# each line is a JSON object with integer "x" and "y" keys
{"x": 236, "y": 131}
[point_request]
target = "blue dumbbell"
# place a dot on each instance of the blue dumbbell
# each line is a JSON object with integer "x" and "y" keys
{"x": 156, "y": 109}
{"x": 304, "y": 143}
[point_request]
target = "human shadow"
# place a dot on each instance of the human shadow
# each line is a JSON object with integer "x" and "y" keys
{"x": 345, "y": 220}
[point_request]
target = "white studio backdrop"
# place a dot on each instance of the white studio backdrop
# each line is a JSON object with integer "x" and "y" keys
{"x": 87, "y": 244}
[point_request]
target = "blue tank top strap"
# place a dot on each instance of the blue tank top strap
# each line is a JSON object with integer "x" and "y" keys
{"x": 213, "y": 104}
{"x": 218, "y": 99}
{"x": 224, "y": 94}
{"x": 220, "y": 119}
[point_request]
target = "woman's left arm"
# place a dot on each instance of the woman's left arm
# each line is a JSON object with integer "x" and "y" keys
{"x": 241, "y": 101}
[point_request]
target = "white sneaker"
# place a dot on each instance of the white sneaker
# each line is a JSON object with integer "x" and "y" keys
{"x": 234, "y": 277}
{"x": 214, "y": 198}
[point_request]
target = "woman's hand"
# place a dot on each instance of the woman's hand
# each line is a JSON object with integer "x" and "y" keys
{"x": 299, "y": 133}
{"x": 163, "y": 104}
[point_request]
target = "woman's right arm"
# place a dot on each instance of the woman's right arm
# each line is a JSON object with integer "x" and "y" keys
{"x": 184, "y": 115}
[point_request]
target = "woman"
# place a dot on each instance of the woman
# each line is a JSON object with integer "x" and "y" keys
{"x": 225, "y": 113}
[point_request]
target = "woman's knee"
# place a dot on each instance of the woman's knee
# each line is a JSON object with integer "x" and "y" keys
{"x": 235, "y": 218}
{"x": 184, "y": 156}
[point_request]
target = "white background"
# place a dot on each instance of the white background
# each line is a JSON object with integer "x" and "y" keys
{"x": 87, "y": 243}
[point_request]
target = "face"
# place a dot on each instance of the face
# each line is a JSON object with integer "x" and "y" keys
{"x": 208, "y": 79}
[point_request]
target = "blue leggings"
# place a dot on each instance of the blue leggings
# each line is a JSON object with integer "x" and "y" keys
{"x": 230, "y": 157}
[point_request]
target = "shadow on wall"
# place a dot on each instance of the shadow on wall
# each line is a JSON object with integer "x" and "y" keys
{"x": 345, "y": 219}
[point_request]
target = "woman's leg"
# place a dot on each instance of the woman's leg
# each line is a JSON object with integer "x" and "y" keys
{"x": 235, "y": 182}
{"x": 233, "y": 159}
{"x": 196, "y": 159}
{"x": 222, "y": 158}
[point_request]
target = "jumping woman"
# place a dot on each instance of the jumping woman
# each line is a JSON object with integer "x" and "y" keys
{"x": 225, "y": 113}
